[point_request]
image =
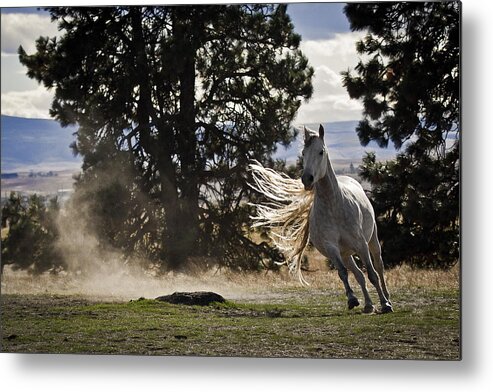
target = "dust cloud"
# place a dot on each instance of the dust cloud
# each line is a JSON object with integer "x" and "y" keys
{"x": 112, "y": 282}
{"x": 95, "y": 270}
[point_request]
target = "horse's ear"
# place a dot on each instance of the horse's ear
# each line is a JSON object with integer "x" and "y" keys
{"x": 307, "y": 134}
{"x": 321, "y": 132}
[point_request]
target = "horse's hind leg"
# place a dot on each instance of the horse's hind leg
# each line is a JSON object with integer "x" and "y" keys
{"x": 360, "y": 278}
{"x": 376, "y": 252}
{"x": 364, "y": 253}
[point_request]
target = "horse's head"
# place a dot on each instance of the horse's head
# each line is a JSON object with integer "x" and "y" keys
{"x": 314, "y": 157}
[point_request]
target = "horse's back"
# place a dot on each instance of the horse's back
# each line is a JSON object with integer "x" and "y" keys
{"x": 346, "y": 180}
{"x": 353, "y": 192}
{"x": 352, "y": 187}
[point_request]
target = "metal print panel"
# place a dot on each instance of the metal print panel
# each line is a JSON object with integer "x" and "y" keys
{"x": 258, "y": 180}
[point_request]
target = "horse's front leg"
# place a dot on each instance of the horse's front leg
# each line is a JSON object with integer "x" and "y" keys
{"x": 334, "y": 256}
{"x": 352, "y": 301}
{"x": 360, "y": 278}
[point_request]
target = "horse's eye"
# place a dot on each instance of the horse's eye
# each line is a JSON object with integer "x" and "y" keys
{"x": 321, "y": 152}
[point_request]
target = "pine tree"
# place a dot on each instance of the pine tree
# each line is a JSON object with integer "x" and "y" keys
{"x": 31, "y": 242}
{"x": 183, "y": 97}
{"x": 409, "y": 85}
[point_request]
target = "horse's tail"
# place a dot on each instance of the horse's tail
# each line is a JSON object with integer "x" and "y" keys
{"x": 301, "y": 249}
{"x": 286, "y": 213}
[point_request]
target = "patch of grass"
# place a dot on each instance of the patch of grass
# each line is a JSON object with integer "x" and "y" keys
{"x": 425, "y": 325}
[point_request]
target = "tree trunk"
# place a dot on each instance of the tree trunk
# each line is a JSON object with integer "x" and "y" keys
{"x": 187, "y": 221}
{"x": 180, "y": 213}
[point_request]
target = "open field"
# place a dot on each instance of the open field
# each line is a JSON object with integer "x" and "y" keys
{"x": 42, "y": 185}
{"x": 267, "y": 315}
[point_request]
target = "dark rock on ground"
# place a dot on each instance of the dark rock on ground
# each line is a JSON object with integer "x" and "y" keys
{"x": 202, "y": 298}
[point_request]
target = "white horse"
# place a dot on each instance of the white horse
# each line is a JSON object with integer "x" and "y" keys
{"x": 333, "y": 212}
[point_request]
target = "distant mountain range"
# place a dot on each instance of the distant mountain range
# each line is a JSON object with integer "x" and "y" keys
{"x": 341, "y": 141}
{"x": 36, "y": 144}
{"x": 43, "y": 145}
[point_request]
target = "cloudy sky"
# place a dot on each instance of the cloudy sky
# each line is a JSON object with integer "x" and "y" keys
{"x": 326, "y": 40}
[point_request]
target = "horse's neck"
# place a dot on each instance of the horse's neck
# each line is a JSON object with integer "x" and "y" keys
{"x": 327, "y": 189}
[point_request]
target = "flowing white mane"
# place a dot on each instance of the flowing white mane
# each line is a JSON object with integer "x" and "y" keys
{"x": 286, "y": 213}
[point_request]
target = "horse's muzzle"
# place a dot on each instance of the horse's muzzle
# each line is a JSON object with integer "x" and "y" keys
{"x": 307, "y": 180}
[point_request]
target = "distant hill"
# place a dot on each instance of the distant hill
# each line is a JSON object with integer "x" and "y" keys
{"x": 36, "y": 144}
{"x": 342, "y": 142}
{"x": 43, "y": 145}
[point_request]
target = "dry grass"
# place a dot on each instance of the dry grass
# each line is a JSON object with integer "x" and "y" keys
{"x": 126, "y": 285}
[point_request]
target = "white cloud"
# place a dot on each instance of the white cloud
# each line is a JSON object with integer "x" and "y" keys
{"x": 30, "y": 103}
{"x": 327, "y": 76}
{"x": 24, "y": 29}
{"x": 22, "y": 96}
{"x": 330, "y": 101}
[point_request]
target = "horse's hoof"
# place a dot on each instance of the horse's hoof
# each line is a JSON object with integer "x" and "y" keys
{"x": 387, "y": 308}
{"x": 352, "y": 302}
{"x": 369, "y": 309}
